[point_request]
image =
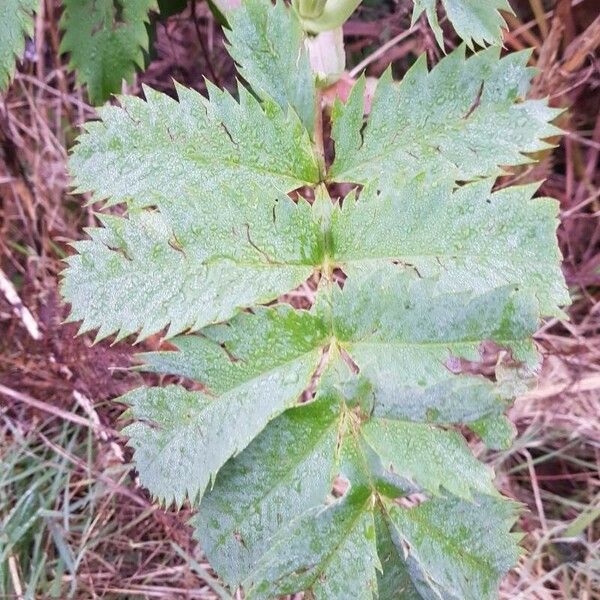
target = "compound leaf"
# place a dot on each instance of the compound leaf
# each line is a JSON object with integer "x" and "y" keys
{"x": 267, "y": 43}
{"x": 474, "y": 20}
{"x": 15, "y": 25}
{"x": 458, "y": 122}
{"x": 308, "y": 426}
{"x": 106, "y": 41}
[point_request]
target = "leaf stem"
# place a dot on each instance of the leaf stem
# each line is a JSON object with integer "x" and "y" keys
{"x": 318, "y": 133}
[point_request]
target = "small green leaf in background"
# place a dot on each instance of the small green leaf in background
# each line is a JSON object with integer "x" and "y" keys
{"x": 106, "y": 41}
{"x": 16, "y": 23}
{"x": 475, "y": 21}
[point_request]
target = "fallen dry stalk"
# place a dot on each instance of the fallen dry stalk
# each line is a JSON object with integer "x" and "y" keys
{"x": 24, "y": 314}
{"x": 48, "y": 408}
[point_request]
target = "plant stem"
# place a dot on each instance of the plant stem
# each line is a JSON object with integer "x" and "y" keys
{"x": 318, "y": 133}
{"x": 322, "y": 16}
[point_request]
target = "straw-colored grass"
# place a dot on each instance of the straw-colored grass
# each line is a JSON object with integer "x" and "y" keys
{"x": 74, "y": 523}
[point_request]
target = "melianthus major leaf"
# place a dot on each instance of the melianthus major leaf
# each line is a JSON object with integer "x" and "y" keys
{"x": 461, "y": 121}
{"x": 274, "y": 481}
{"x": 404, "y": 343}
{"x": 475, "y": 21}
{"x": 248, "y": 506}
{"x": 329, "y": 550}
{"x": 440, "y": 548}
{"x": 267, "y": 43}
{"x": 16, "y": 24}
{"x": 435, "y": 267}
{"x": 253, "y": 369}
{"x": 106, "y": 41}
{"x": 460, "y": 236}
{"x": 420, "y": 543}
{"x": 180, "y": 157}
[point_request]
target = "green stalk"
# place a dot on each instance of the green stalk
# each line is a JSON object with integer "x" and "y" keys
{"x": 322, "y": 15}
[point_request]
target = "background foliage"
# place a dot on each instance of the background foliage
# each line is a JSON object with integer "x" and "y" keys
{"x": 552, "y": 466}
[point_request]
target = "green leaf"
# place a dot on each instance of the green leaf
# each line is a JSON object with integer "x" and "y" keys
{"x": 472, "y": 537}
{"x": 15, "y": 25}
{"x": 330, "y": 551}
{"x": 467, "y": 238}
{"x": 196, "y": 261}
{"x": 402, "y": 446}
{"x": 267, "y": 43}
{"x": 180, "y": 278}
{"x": 302, "y": 435}
{"x": 248, "y": 505}
{"x": 173, "y": 154}
{"x": 475, "y": 21}
{"x": 106, "y": 41}
{"x": 223, "y": 355}
{"x": 181, "y": 438}
{"x": 458, "y": 122}
{"x": 408, "y": 343}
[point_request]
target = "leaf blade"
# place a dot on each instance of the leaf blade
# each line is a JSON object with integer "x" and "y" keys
{"x": 251, "y": 246}
{"x": 248, "y": 506}
{"x": 450, "y": 464}
{"x": 474, "y": 22}
{"x": 134, "y": 276}
{"x": 469, "y": 238}
{"x": 182, "y": 438}
{"x": 478, "y": 559}
{"x": 334, "y": 556}
{"x": 477, "y": 125}
{"x": 267, "y": 43}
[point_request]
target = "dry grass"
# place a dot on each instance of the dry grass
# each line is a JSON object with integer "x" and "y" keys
{"x": 76, "y": 524}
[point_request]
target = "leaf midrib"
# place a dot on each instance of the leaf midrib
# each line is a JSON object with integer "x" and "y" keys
{"x": 204, "y": 163}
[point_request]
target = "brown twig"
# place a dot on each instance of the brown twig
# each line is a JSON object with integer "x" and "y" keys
{"x": 203, "y": 47}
